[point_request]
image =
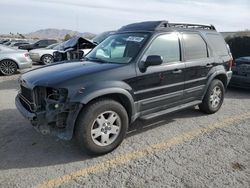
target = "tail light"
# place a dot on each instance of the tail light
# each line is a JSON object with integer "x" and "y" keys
{"x": 233, "y": 63}
{"x": 26, "y": 55}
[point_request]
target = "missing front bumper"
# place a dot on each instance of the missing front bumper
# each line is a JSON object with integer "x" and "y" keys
{"x": 47, "y": 122}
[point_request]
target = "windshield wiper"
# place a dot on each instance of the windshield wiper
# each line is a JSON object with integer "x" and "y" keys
{"x": 95, "y": 59}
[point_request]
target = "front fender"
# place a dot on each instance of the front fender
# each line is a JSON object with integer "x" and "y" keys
{"x": 90, "y": 92}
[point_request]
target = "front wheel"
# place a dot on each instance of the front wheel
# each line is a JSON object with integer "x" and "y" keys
{"x": 213, "y": 98}
{"x": 101, "y": 126}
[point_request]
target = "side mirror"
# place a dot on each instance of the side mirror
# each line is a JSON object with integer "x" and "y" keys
{"x": 153, "y": 60}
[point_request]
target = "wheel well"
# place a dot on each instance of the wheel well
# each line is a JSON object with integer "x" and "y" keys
{"x": 223, "y": 78}
{"x": 10, "y": 60}
{"x": 122, "y": 99}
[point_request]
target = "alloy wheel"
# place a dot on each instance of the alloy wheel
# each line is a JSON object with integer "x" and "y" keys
{"x": 106, "y": 128}
{"x": 215, "y": 97}
{"x": 8, "y": 67}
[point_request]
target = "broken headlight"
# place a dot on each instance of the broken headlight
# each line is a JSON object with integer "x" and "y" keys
{"x": 57, "y": 94}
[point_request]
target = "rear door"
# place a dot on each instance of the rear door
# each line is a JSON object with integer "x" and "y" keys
{"x": 161, "y": 87}
{"x": 198, "y": 64}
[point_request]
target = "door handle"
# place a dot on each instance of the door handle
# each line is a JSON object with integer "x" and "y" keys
{"x": 177, "y": 71}
{"x": 209, "y": 65}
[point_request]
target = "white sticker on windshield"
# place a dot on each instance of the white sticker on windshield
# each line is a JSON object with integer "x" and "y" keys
{"x": 135, "y": 39}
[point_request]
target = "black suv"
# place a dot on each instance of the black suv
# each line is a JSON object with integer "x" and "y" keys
{"x": 39, "y": 44}
{"x": 143, "y": 70}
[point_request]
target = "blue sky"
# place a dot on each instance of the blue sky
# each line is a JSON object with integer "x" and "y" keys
{"x": 96, "y": 16}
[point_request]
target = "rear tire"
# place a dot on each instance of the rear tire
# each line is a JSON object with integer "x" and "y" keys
{"x": 8, "y": 67}
{"x": 47, "y": 59}
{"x": 214, "y": 97}
{"x": 101, "y": 126}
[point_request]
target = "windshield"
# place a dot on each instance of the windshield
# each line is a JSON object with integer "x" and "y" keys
{"x": 52, "y": 46}
{"x": 118, "y": 48}
{"x": 101, "y": 37}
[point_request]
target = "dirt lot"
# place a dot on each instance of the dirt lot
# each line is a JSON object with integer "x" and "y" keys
{"x": 184, "y": 149}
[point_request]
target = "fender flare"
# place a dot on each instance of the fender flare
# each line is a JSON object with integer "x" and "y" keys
{"x": 211, "y": 78}
{"x": 110, "y": 91}
{"x": 86, "y": 99}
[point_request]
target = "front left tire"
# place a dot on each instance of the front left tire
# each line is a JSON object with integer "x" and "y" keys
{"x": 101, "y": 126}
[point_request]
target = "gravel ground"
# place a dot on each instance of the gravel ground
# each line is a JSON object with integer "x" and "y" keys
{"x": 216, "y": 158}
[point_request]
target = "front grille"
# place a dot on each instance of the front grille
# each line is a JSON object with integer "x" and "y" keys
{"x": 27, "y": 93}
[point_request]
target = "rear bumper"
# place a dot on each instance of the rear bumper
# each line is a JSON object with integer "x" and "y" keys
{"x": 35, "y": 57}
{"x": 240, "y": 81}
{"x": 229, "y": 76}
{"x": 25, "y": 64}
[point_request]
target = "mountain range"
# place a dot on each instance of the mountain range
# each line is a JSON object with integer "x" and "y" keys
{"x": 57, "y": 34}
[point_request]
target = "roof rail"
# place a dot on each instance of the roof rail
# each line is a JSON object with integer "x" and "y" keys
{"x": 191, "y": 26}
{"x": 159, "y": 25}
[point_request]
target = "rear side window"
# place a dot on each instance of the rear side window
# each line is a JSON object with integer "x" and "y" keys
{"x": 195, "y": 46}
{"x": 167, "y": 46}
{"x": 218, "y": 44}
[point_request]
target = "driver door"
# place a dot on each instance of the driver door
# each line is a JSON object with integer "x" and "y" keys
{"x": 161, "y": 87}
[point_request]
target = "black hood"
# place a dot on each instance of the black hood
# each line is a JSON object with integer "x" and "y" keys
{"x": 55, "y": 74}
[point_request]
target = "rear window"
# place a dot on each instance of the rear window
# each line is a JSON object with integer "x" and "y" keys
{"x": 195, "y": 46}
{"x": 218, "y": 44}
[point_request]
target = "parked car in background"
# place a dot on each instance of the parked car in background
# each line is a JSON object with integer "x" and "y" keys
{"x": 11, "y": 60}
{"x": 73, "y": 49}
{"x": 16, "y": 44}
{"x": 39, "y": 44}
{"x": 4, "y": 40}
{"x": 241, "y": 73}
{"x": 7, "y": 43}
{"x": 44, "y": 55}
{"x": 144, "y": 70}
{"x": 101, "y": 37}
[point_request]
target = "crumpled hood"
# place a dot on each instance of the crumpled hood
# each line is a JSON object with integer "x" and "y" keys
{"x": 52, "y": 75}
{"x": 73, "y": 42}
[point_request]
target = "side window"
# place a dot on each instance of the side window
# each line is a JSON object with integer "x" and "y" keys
{"x": 167, "y": 46}
{"x": 218, "y": 44}
{"x": 50, "y": 42}
{"x": 195, "y": 47}
{"x": 42, "y": 43}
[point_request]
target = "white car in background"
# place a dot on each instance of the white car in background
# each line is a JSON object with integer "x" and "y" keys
{"x": 44, "y": 55}
{"x": 12, "y": 59}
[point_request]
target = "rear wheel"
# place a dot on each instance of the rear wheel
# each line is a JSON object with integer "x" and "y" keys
{"x": 101, "y": 126}
{"x": 8, "y": 67}
{"x": 47, "y": 59}
{"x": 213, "y": 98}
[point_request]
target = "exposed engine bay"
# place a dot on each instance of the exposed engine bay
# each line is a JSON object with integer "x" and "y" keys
{"x": 73, "y": 49}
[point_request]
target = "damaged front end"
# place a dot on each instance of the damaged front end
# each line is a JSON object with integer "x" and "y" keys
{"x": 49, "y": 110}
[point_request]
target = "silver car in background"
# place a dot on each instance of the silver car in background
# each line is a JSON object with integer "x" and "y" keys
{"x": 12, "y": 59}
{"x": 44, "y": 55}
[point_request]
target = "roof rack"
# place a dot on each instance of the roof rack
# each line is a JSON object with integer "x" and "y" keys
{"x": 191, "y": 26}
{"x": 159, "y": 25}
